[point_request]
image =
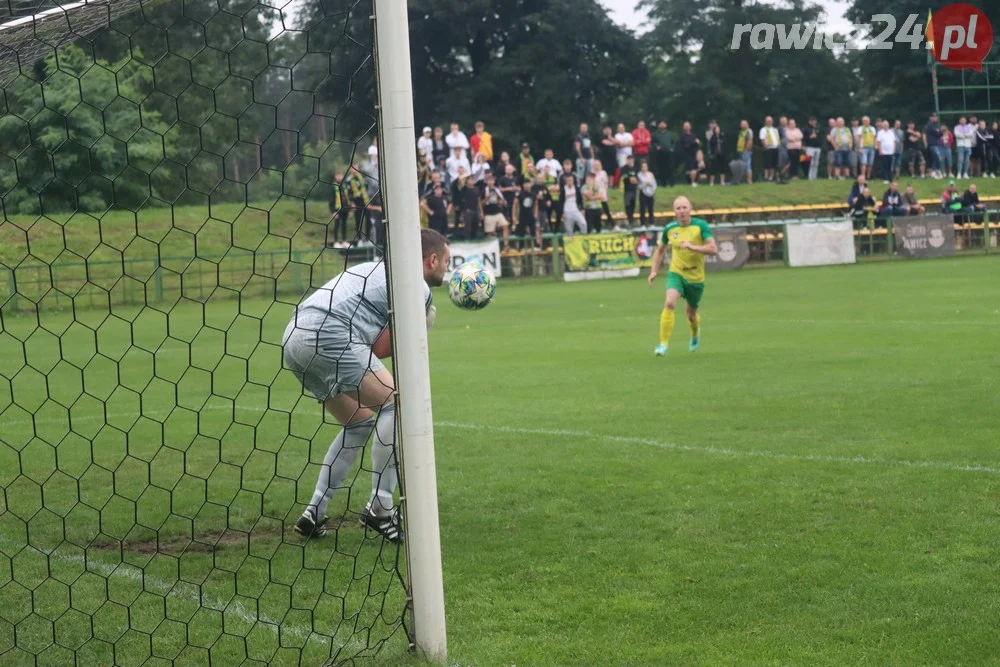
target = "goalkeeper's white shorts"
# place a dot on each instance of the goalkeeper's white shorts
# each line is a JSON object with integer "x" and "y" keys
{"x": 327, "y": 362}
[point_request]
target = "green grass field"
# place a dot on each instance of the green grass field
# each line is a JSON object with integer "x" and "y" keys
{"x": 819, "y": 484}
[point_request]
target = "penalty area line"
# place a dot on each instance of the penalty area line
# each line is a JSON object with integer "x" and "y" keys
{"x": 725, "y": 451}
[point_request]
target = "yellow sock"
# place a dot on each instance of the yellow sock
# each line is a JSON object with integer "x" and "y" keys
{"x": 666, "y": 325}
{"x": 695, "y": 325}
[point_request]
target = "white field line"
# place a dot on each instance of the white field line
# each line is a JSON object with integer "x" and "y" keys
{"x": 725, "y": 451}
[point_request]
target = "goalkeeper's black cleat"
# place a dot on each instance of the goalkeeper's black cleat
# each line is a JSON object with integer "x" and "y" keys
{"x": 307, "y": 526}
{"x": 386, "y": 526}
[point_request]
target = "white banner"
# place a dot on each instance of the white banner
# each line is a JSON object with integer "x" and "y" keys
{"x": 487, "y": 253}
{"x": 820, "y": 243}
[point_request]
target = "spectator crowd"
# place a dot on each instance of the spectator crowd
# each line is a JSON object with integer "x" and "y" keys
{"x": 467, "y": 190}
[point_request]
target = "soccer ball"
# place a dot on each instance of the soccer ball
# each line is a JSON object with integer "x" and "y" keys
{"x": 471, "y": 286}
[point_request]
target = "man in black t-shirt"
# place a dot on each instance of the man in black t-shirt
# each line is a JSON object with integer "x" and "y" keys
{"x": 630, "y": 180}
{"x": 438, "y": 208}
{"x": 543, "y": 199}
{"x": 508, "y": 186}
{"x": 913, "y": 149}
{"x": 493, "y": 207}
{"x": 526, "y": 210}
{"x": 812, "y": 141}
{"x": 472, "y": 208}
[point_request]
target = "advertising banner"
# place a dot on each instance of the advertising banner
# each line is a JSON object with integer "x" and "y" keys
{"x": 928, "y": 236}
{"x": 602, "y": 252}
{"x": 820, "y": 243}
{"x": 734, "y": 251}
{"x": 487, "y": 253}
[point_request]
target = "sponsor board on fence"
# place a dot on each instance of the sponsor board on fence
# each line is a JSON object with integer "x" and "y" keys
{"x": 820, "y": 243}
{"x": 930, "y": 236}
{"x": 596, "y": 256}
{"x": 487, "y": 253}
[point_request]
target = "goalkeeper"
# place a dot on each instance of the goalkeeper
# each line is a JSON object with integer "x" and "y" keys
{"x": 333, "y": 345}
{"x": 690, "y": 240}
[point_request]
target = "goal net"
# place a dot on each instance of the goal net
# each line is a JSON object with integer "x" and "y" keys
{"x": 177, "y": 175}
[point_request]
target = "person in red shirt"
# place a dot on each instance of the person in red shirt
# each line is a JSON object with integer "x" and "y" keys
{"x": 641, "y": 140}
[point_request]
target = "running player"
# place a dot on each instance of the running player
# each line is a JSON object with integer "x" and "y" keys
{"x": 333, "y": 345}
{"x": 690, "y": 240}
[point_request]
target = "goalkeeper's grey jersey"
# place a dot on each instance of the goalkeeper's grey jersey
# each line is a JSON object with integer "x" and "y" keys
{"x": 355, "y": 302}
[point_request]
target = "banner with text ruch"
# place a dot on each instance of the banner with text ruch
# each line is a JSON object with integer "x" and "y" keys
{"x": 608, "y": 252}
{"x": 929, "y": 236}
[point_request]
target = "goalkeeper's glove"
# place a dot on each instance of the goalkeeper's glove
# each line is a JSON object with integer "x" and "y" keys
{"x": 431, "y": 316}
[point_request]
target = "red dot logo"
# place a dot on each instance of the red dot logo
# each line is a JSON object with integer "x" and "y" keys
{"x": 960, "y": 36}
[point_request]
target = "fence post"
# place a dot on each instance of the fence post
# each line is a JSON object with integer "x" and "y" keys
{"x": 556, "y": 263}
{"x": 784, "y": 243}
{"x": 890, "y": 238}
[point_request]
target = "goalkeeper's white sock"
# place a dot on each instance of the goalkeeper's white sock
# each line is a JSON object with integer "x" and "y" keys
{"x": 338, "y": 461}
{"x": 384, "y": 471}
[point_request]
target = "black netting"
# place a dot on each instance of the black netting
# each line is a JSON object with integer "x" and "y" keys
{"x": 166, "y": 171}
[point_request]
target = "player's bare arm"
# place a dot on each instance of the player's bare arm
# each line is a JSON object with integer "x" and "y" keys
{"x": 708, "y": 248}
{"x": 661, "y": 249}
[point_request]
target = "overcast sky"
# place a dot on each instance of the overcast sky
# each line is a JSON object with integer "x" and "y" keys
{"x": 623, "y": 11}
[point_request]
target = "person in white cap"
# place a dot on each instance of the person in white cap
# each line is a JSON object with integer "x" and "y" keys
{"x": 426, "y": 144}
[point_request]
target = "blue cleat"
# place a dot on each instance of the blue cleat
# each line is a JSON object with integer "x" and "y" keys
{"x": 695, "y": 342}
{"x": 661, "y": 350}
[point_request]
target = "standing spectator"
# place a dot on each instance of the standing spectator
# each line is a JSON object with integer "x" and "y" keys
{"x": 551, "y": 181}
{"x": 886, "y": 143}
{"x": 543, "y": 200}
{"x": 812, "y": 141}
{"x": 338, "y": 210}
{"x": 527, "y": 214}
{"x": 978, "y": 154}
{"x": 592, "y": 203}
{"x": 571, "y": 205}
{"x": 457, "y": 139}
{"x": 439, "y": 147}
{"x": 744, "y": 146}
{"x": 663, "y": 153}
{"x": 856, "y": 151}
{"x": 583, "y": 152}
{"x": 457, "y": 161}
{"x": 912, "y": 151}
{"x": 493, "y": 203}
{"x": 526, "y": 163}
{"x": 911, "y": 202}
{"x": 567, "y": 171}
{"x": 472, "y": 207}
{"x": 932, "y": 142}
{"x": 548, "y": 162}
{"x": 711, "y": 128}
{"x": 640, "y": 141}
{"x": 866, "y": 149}
{"x": 993, "y": 150}
{"x": 630, "y": 185}
{"x": 647, "y": 194}
{"x": 897, "y": 158}
{"x": 965, "y": 134}
{"x": 624, "y": 142}
{"x": 601, "y": 178}
{"x": 793, "y": 139}
{"x": 480, "y": 167}
{"x": 831, "y": 150}
{"x": 436, "y": 179}
{"x": 975, "y": 167}
{"x": 608, "y": 152}
{"x": 716, "y": 156}
{"x": 947, "y": 143}
{"x": 425, "y": 145}
{"x": 482, "y": 142}
{"x": 984, "y": 144}
{"x": 843, "y": 142}
{"x": 438, "y": 208}
{"x": 357, "y": 195}
{"x": 892, "y": 200}
{"x": 770, "y": 140}
{"x": 782, "y": 148}
{"x": 505, "y": 162}
{"x": 508, "y": 186}
{"x": 689, "y": 147}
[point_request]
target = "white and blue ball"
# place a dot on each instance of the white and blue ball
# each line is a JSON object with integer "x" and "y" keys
{"x": 471, "y": 286}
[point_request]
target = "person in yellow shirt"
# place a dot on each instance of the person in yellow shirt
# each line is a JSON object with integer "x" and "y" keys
{"x": 689, "y": 239}
{"x": 482, "y": 142}
{"x": 866, "y": 147}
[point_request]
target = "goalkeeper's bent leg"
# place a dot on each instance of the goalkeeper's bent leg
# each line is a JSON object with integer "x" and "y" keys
{"x": 338, "y": 461}
{"x": 384, "y": 470}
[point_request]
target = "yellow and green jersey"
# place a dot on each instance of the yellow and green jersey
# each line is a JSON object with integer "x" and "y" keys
{"x": 688, "y": 264}
{"x": 867, "y": 136}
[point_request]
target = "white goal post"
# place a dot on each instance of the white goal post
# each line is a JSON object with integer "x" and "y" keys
{"x": 415, "y": 428}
